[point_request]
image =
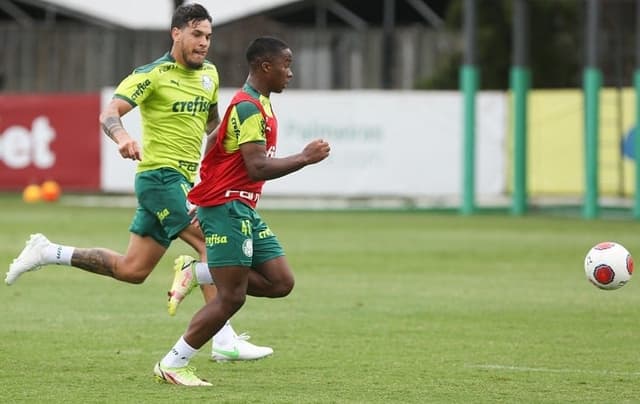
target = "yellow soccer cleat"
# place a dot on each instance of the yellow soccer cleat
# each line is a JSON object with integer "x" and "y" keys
{"x": 184, "y": 280}
{"x": 184, "y": 376}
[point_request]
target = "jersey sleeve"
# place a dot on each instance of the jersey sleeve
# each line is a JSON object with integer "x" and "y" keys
{"x": 136, "y": 87}
{"x": 252, "y": 124}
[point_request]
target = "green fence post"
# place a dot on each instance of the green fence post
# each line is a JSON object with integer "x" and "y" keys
{"x": 469, "y": 87}
{"x": 592, "y": 83}
{"x": 520, "y": 82}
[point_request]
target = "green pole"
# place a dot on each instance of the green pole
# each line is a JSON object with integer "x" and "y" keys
{"x": 469, "y": 87}
{"x": 520, "y": 82}
{"x": 636, "y": 133}
{"x": 636, "y": 145}
{"x": 592, "y": 81}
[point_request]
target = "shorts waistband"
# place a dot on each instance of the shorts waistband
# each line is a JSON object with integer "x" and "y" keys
{"x": 248, "y": 195}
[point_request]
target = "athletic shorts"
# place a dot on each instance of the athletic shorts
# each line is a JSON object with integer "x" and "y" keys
{"x": 162, "y": 211}
{"x": 236, "y": 235}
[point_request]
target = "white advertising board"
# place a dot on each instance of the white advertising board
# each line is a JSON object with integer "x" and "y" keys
{"x": 383, "y": 143}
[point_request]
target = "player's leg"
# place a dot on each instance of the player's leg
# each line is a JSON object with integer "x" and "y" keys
{"x": 165, "y": 191}
{"x": 226, "y": 344}
{"x": 264, "y": 249}
{"x": 231, "y": 278}
{"x": 271, "y": 275}
{"x": 147, "y": 243}
{"x": 232, "y": 247}
{"x": 185, "y": 279}
{"x": 272, "y": 278}
{"x": 232, "y": 286}
{"x": 189, "y": 272}
{"x": 142, "y": 254}
{"x": 232, "y": 290}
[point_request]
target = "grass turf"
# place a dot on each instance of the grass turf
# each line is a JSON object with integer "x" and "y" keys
{"x": 406, "y": 307}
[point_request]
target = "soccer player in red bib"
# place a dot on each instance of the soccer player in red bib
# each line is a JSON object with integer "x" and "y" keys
{"x": 244, "y": 255}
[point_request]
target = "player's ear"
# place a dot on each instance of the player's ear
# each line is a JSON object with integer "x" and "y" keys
{"x": 265, "y": 66}
{"x": 175, "y": 33}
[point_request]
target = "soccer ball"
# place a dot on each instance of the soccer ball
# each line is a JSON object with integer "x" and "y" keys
{"x": 50, "y": 191}
{"x": 608, "y": 265}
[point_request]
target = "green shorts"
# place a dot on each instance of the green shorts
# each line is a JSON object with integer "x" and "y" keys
{"x": 235, "y": 234}
{"x": 163, "y": 210}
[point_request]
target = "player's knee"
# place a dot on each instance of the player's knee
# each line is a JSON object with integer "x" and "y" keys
{"x": 135, "y": 278}
{"x": 235, "y": 301}
{"x": 284, "y": 286}
{"x": 132, "y": 275}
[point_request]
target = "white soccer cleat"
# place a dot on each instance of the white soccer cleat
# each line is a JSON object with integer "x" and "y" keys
{"x": 240, "y": 350}
{"x": 30, "y": 259}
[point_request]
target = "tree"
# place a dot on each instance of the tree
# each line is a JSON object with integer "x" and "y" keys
{"x": 555, "y": 46}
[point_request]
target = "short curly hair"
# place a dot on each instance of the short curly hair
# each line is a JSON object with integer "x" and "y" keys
{"x": 264, "y": 48}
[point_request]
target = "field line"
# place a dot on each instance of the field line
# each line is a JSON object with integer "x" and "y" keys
{"x": 549, "y": 370}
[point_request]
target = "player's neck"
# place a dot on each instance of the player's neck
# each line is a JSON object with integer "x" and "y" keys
{"x": 262, "y": 89}
{"x": 178, "y": 58}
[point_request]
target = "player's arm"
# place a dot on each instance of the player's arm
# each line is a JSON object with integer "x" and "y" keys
{"x": 112, "y": 127}
{"x": 213, "y": 122}
{"x": 260, "y": 167}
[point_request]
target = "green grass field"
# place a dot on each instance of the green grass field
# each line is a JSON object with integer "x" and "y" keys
{"x": 402, "y": 307}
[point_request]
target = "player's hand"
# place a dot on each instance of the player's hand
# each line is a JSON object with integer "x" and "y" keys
{"x": 129, "y": 149}
{"x": 316, "y": 151}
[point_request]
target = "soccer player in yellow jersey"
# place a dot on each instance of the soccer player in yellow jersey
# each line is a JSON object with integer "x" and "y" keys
{"x": 178, "y": 99}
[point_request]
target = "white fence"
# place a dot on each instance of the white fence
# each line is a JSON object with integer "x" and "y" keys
{"x": 384, "y": 144}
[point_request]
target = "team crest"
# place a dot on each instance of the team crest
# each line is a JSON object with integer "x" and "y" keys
{"x": 247, "y": 247}
{"x": 207, "y": 83}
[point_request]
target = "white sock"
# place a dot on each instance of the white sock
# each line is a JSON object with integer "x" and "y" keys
{"x": 179, "y": 355}
{"x": 58, "y": 254}
{"x": 225, "y": 336}
{"x": 203, "y": 275}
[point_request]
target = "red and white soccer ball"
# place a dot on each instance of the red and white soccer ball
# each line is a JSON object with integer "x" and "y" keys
{"x": 608, "y": 265}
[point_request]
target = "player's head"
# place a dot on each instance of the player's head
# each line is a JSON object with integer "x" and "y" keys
{"x": 191, "y": 34}
{"x": 270, "y": 62}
